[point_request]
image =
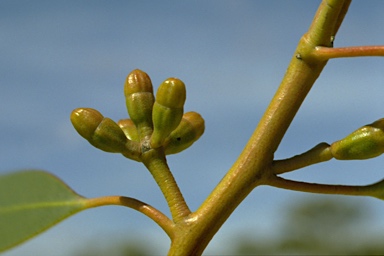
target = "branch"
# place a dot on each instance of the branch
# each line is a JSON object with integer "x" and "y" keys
{"x": 163, "y": 221}
{"x": 253, "y": 167}
{"x": 326, "y": 53}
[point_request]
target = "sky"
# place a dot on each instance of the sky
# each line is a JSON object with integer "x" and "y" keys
{"x": 60, "y": 55}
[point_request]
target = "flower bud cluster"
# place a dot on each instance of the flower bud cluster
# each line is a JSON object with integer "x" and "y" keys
{"x": 155, "y": 123}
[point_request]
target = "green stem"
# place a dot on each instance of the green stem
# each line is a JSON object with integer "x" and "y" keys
{"x": 319, "y": 153}
{"x": 321, "y": 188}
{"x": 163, "y": 221}
{"x": 156, "y": 163}
{"x": 325, "y": 53}
{"x": 253, "y": 166}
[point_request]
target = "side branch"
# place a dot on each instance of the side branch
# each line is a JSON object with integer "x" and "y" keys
{"x": 156, "y": 163}
{"x": 326, "y": 53}
{"x": 367, "y": 190}
{"x": 319, "y": 153}
{"x": 163, "y": 221}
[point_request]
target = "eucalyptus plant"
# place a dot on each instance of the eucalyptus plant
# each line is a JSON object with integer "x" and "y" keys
{"x": 158, "y": 126}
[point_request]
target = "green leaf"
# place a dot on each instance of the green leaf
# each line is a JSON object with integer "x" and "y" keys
{"x": 31, "y": 202}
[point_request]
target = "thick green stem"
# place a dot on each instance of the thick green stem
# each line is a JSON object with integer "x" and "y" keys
{"x": 155, "y": 161}
{"x": 253, "y": 166}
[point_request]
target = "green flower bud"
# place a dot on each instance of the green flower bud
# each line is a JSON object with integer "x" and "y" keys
{"x": 109, "y": 137}
{"x": 86, "y": 121}
{"x": 129, "y": 128}
{"x": 366, "y": 142}
{"x": 189, "y": 130}
{"x": 167, "y": 110}
{"x": 103, "y": 133}
{"x": 139, "y": 100}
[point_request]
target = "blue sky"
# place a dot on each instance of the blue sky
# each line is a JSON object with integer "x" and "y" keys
{"x": 60, "y": 55}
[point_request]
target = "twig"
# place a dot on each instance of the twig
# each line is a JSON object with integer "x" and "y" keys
{"x": 320, "y": 188}
{"x": 319, "y": 153}
{"x": 163, "y": 221}
{"x": 326, "y": 53}
{"x": 156, "y": 163}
